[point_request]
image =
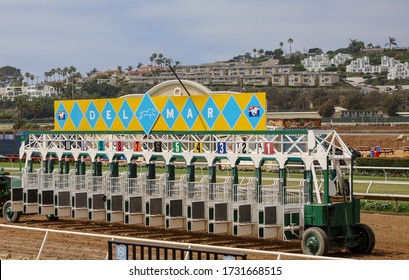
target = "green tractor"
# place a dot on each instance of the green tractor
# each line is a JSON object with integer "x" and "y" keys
{"x": 5, "y": 198}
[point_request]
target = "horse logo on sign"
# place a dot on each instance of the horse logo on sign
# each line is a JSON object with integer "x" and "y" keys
{"x": 61, "y": 115}
{"x": 254, "y": 111}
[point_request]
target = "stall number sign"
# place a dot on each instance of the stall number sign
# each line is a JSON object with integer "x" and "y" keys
{"x": 121, "y": 252}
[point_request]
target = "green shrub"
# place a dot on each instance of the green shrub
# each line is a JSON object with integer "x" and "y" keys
{"x": 383, "y": 162}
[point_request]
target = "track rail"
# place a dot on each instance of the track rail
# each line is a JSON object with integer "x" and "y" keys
{"x": 268, "y": 254}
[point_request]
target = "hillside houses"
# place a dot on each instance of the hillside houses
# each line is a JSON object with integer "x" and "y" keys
{"x": 394, "y": 68}
{"x": 320, "y": 62}
{"x": 227, "y": 73}
{"x": 39, "y": 90}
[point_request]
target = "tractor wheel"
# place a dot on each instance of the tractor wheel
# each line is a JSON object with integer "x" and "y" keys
{"x": 365, "y": 239}
{"x": 52, "y": 218}
{"x": 315, "y": 242}
{"x": 8, "y": 215}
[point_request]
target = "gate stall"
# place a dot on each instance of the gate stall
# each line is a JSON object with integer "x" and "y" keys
{"x": 245, "y": 207}
{"x": 79, "y": 195}
{"x": 62, "y": 196}
{"x": 46, "y": 193}
{"x": 175, "y": 202}
{"x": 115, "y": 198}
{"x": 155, "y": 212}
{"x": 219, "y": 203}
{"x": 197, "y": 204}
{"x": 96, "y": 195}
{"x": 135, "y": 199}
{"x": 269, "y": 212}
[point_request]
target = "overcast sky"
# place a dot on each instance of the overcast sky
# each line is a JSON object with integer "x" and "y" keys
{"x": 38, "y": 35}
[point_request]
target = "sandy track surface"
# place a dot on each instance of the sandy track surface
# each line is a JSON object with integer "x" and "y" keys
{"x": 390, "y": 231}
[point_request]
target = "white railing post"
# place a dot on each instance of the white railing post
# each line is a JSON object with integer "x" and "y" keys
{"x": 42, "y": 245}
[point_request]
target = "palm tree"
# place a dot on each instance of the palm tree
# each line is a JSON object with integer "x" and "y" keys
{"x": 158, "y": 61}
{"x": 27, "y": 75}
{"x": 290, "y": 41}
{"x": 129, "y": 68}
{"x": 37, "y": 108}
{"x": 168, "y": 62}
{"x": 260, "y": 52}
{"x": 72, "y": 69}
{"x": 64, "y": 72}
{"x": 161, "y": 59}
{"x": 153, "y": 57}
{"x": 119, "y": 69}
{"x": 392, "y": 41}
{"x": 52, "y": 73}
{"x": 254, "y": 51}
{"x": 281, "y": 45}
{"x": 32, "y": 78}
{"x": 58, "y": 71}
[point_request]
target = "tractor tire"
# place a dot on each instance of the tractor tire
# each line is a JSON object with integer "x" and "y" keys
{"x": 315, "y": 242}
{"x": 8, "y": 215}
{"x": 365, "y": 239}
{"x": 52, "y": 218}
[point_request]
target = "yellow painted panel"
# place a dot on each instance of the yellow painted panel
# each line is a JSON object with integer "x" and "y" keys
{"x": 180, "y": 125}
{"x": 221, "y": 100}
{"x": 69, "y": 125}
{"x": 221, "y": 124}
{"x": 243, "y": 100}
{"x": 180, "y": 102}
{"x": 160, "y": 102}
{"x": 200, "y": 101}
{"x": 161, "y": 125}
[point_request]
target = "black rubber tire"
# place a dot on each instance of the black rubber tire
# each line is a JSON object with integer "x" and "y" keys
{"x": 8, "y": 215}
{"x": 52, "y": 218}
{"x": 315, "y": 242}
{"x": 365, "y": 239}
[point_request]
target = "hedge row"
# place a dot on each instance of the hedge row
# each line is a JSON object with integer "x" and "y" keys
{"x": 390, "y": 162}
{"x": 382, "y": 162}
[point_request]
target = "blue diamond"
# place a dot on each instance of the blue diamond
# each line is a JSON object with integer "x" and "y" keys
{"x": 125, "y": 114}
{"x": 61, "y": 115}
{"x": 76, "y": 115}
{"x": 108, "y": 114}
{"x": 190, "y": 113}
{"x": 92, "y": 114}
{"x": 170, "y": 113}
{"x": 231, "y": 112}
{"x": 147, "y": 113}
{"x": 210, "y": 112}
{"x": 254, "y": 111}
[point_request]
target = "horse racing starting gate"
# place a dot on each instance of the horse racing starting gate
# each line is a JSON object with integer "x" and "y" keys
{"x": 203, "y": 187}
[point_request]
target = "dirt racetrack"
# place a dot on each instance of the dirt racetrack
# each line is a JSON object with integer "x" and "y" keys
{"x": 392, "y": 241}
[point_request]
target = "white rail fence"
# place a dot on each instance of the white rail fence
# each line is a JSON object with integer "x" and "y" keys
{"x": 278, "y": 255}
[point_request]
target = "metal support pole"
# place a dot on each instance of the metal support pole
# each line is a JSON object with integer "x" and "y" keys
{"x": 61, "y": 166}
{"x": 258, "y": 173}
{"x": 151, "y": 170}
{"x": 132, "y": 168}
{"x": 235, "y": 173}
{"x": 77, "y": 167}
{"x": 170, "y": 171}
{"x": 114, "y": 168}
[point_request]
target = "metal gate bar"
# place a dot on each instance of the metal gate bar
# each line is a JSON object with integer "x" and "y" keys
{"x": 159, "y": 252}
